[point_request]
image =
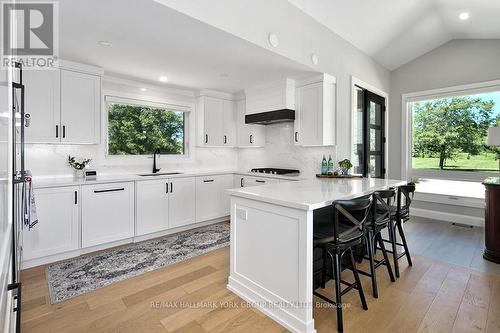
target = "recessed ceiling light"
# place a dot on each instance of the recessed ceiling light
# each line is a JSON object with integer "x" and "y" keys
{"x": 104, "y": 43}
{"x": 273, "y": 39}
{"x": 464, "y": 16}
{"x": 144, "y": 89}
{"x": 314, "y": 58}
{"x": 163, "y": 79}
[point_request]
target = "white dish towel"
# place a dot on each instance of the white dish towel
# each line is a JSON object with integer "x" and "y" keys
{"x": 30, "y": 216}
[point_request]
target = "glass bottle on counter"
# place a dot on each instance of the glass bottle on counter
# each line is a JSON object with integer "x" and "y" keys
{"x": 330, "y": 165}
{"x": 324, "y": 166}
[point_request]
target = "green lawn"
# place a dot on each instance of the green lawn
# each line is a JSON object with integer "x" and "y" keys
{"x": 482, "y": 162}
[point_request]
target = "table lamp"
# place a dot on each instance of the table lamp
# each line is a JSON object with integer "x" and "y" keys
{"x": 494, "y": 138}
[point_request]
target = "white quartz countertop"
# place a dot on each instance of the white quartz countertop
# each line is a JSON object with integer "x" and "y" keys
{"x": 43, "y": 182}
{"x": 314, "y": 193}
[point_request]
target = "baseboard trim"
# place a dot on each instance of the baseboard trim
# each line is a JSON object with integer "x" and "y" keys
{"x": 281, "y": 316}
{"x": 448, "y": 217}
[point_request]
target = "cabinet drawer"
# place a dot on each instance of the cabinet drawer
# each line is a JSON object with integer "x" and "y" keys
{"x": 212, "y": 200}
{"x": 107, "y": 213}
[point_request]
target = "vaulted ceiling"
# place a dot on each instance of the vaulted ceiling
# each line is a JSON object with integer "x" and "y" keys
{"x": 394, "y": 32}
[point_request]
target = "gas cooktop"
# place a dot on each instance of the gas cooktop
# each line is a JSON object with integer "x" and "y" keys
{"x": 276, "y": 171}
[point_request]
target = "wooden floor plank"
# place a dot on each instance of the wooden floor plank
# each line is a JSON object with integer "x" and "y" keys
{"x": 439, "y": 297}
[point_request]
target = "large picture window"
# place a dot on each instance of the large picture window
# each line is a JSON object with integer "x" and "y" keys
{"x": 449, "y": 132}
{"x": 135, "y": 129}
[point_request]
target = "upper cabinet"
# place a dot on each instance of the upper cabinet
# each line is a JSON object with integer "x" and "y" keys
{"x": 80, "y": 107}
{"x": 315, "y": 112}
{"x": 248, "y": 135}
{"x": 64, "y": 104}
{"x": 216, "y": 121}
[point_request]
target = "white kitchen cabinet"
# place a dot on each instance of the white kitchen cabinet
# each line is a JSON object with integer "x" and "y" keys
{"x": 57, "y": 230}
{"x": 182, "y": 204}
{"x": 211, "y": 198}
{"x": 80, "y": 107}
{"x": 216, "y": 122}
{"x": 164, "y": 203}
{"x": 246, "y": 181}
{"x": 248, "y": 135}
{"x": 315, "y": 112}
{"x": 42, "y": 103}
{"x": 107, "y": 213}
{"x": 152, "y": 206}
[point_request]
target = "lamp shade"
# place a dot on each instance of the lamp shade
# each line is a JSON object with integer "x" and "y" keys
{"x": 494, "y": 136}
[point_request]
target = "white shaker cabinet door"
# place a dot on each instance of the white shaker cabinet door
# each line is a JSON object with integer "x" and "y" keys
{"x": 80, "y": 107}
{"x": 152, "y": 206}
{"x": 58, "y": 223}
{"x": 213, "y": 116}
{"x": 107, "y": 213}
{"x": 226, "y": 182}
{"x": 42, "y": 103}
{"x": 182, "y": 204}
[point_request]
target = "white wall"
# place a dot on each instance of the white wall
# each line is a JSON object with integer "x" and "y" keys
{"x": 299, "y": 36}
{"x": 50, "y": 159}
{"x": 454, "y": 63}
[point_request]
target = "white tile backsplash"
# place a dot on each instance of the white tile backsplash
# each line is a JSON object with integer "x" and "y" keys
{"x": 281, "y": 152}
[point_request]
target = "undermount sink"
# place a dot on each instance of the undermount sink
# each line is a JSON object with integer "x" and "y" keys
{"x": 159, "y": 174}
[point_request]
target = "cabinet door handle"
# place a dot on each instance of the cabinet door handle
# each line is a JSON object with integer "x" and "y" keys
{"x": 251, "y": 138}
{"x": 208, "y": 180}
{"x": 171, "y": 187}
{"x": 76, "y": 197}
{"x": 225, "y": 139}
{"x": 166, "y": 187}
{"x": 111, "y": 190}
{"x": 64, "y": 131}
{"x": 57, "y": 131}
{"x": 241, "y": 182}
{"x": 296, "y": 136}
{"x": 260, "y": 181}
{"x": 206, "y": 138}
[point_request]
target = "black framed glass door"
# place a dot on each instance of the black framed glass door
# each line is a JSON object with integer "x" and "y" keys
{"x": 369, "y": 134}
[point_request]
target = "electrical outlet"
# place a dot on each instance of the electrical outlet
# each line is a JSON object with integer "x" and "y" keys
{"x": 241, "y": 213}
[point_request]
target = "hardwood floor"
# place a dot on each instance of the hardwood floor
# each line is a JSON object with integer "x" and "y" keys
{"x": 431, "y": 296}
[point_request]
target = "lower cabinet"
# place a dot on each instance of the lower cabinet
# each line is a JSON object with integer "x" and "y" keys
{"x": 246, "y": 181}
{"x": 212, "y": 201}
{"x": 164, "y": 203}
{"x": 107, "y": 213}
{"x": 58, "y": 228}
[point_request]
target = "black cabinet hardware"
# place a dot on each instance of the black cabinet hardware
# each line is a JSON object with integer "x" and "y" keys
{"x": 111, "y": 190}
{"x": 225, "y": 139}
{"x": 296, "y": 136}
{"x": 171, "y": 187}
{"x": 166, "y": 187}
{"x": 208, "y": 180}
{"x": 76, "y": 197}
{"x": 251, "y": 138}
{"x": 64, "y": 131}
{"x": 241, "y": 182}
{"x": 260, "y": 181}
{"x": 206, "y": 138}
{"x": 57, "y": 131}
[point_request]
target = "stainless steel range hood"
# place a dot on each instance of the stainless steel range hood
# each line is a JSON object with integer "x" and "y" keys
{"x": 271, "y": 117}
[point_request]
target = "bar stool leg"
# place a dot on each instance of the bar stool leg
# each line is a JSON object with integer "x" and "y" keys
{"x": 338, "y": 296}
{"x": 358, "y": 281}
{"x": 392, "y": 237}
{"x": 386, "y": 257}
{"x": 323, "y": 271}
{"x": 403, "y": 238}
{"x": 371, "y": 254}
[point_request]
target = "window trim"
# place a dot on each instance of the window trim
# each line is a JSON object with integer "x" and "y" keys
{"x": 187, "y": 108}
{"x": 467, "y": 89}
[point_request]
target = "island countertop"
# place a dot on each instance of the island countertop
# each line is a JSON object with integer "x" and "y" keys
{"x": 314, "y": 193}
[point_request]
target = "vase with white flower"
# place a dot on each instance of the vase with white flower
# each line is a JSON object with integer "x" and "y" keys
{"x": 78, "y": 166}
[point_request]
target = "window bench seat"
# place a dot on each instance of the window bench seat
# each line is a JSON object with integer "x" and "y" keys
{"x": 449, "y": 200}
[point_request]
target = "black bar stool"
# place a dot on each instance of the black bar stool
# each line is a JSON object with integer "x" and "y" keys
{"x": 339, "y": 237}
{"x": 379, "y": 220}
{"x": 399, "y": 215}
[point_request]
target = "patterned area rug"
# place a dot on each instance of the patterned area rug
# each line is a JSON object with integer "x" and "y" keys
{"x": 83, "y": 274}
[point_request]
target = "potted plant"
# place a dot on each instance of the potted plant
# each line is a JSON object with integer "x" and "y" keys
{"x": 345, "y": 165}
{"x": 78, "y": 166}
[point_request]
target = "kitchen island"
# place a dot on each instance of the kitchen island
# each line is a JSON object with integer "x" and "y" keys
{"x": 271, "y": 255}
